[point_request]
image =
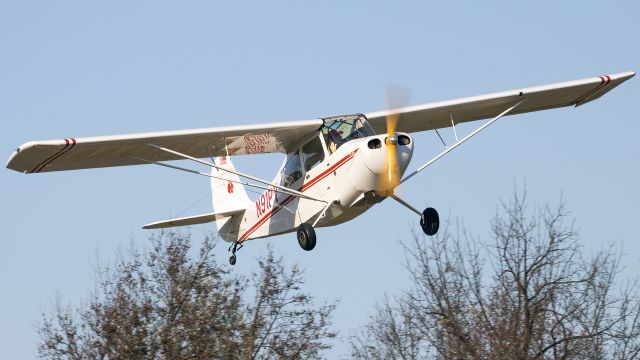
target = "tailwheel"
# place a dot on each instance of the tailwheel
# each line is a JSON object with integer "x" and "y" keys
{"x": 233, "y": 248}
{"x": 306, "y": 237}
{"x": 430, "y": 221}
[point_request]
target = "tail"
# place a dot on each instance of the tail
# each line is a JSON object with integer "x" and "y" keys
{"x": 227, "y": 194}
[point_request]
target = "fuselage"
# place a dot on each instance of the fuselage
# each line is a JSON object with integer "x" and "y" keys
{"x": 341, "y": 176}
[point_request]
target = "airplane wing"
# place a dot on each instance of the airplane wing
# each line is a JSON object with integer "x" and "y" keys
{"x": 118, "y": 150}
{"x": 192, "y": 220}
{"x": 132, "y": 149}
{"x": 439, "y": 114}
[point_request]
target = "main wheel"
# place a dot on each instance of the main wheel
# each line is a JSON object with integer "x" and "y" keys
{"x": 430, "y": 221}
{"x": 232, "y": 259}
{"x": 306, "y": 237}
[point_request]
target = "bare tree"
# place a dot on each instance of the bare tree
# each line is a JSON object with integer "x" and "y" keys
{"x": 172, "y": 301}
{"x": 529, "y": 294}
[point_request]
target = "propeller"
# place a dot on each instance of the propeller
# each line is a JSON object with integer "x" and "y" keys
{"x": 390, "y": 177}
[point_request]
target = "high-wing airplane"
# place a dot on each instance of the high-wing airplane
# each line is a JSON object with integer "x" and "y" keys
{"x": 335, "y": 169}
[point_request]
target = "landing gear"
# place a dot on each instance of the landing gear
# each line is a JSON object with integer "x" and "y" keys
{"x": 233, "y": 248}
{"x": 306, "y": 237}
{"x": 430, "y": 221}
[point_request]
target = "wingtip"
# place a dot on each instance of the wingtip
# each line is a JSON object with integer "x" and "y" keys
{"x": 11, "y": 164}
{"x": 624, "y": 75}
{"x": 18, "y": 162}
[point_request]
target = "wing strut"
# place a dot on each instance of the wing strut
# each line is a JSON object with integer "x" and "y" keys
{"x": 459, "y": 142}
{"x": 185, "y": 156}
{"x": 288, "y": 192}
{"x": 453, "y": 125}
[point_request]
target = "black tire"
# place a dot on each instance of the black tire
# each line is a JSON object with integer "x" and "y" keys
{"x": 306, "y": 237}
{"x": 232, "y": 259}
{"x": 430, "y": 221}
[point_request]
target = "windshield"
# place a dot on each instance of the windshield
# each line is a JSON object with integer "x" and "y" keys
{"x": 338, "y": 131}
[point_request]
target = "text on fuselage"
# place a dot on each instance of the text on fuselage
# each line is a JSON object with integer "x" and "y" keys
{"x": 265, "y": 202}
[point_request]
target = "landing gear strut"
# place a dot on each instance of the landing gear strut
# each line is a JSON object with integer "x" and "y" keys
{"x": 430, "y": 221}
{"x": 306, "y": 237}
{"x": 233, "y": 248}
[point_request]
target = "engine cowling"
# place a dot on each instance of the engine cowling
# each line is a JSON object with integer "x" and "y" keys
{"x": 370, "y": 161}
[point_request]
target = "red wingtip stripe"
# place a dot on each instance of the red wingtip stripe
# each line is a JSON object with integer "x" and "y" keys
{"x": 69, "y": 144}
{"x": 604, "y": 80}
{"x": 44, "y": 162}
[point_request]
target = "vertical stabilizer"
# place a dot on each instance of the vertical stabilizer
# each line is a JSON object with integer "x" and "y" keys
{"x": 225, "y": 194}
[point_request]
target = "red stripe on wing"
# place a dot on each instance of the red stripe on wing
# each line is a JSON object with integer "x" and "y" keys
{"x": 46, "y": 161}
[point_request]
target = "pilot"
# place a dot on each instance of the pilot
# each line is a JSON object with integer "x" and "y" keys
{"x": 334, "y": 140}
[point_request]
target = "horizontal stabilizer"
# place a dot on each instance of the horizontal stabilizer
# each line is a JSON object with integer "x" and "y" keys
{"x": 193, "y": 220}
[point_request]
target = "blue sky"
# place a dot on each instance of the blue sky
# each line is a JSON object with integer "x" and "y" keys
{"x": 74, "y": 69}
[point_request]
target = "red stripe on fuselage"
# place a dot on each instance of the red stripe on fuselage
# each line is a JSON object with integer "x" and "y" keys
{"x": 288, "y": 199}
{"x": 325, "y": 173}
{"x": 266, "y": 217}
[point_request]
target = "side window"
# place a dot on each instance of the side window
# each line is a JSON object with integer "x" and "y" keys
{"x": 312, "y": 153}
{"x": 292, "y": 171}
{"x": 332, "y": 138}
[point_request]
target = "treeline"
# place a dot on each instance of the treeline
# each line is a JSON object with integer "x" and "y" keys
{"x": 528, "y": 293}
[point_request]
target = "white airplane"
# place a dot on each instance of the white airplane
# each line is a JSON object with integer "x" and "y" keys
{"x": 335, "y": 169}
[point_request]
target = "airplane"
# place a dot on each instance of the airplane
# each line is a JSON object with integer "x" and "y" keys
{"x": 335, "y": 168}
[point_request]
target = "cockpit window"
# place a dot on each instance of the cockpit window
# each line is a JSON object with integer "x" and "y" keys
{"x": 338, "y": 131}
{"x": 292, "y": 172}
{"x": 312, "y": 153}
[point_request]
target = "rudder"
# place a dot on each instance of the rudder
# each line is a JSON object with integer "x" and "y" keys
{"x": 227, "y": 195}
